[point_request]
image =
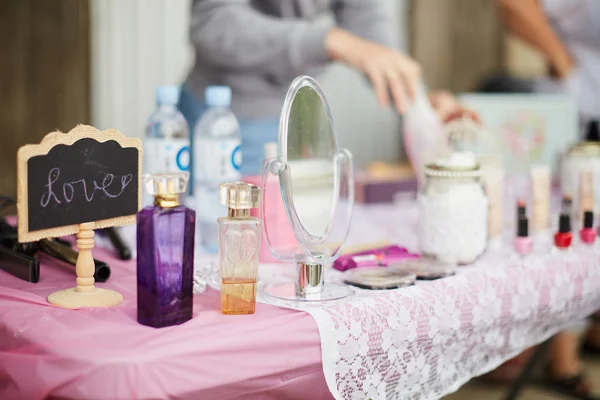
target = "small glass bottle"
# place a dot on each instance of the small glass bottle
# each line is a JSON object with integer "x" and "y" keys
{"x": 165, "y": 253}
{"x": 239, "y": 245}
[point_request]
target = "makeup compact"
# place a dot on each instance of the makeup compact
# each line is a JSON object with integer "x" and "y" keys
{"x": 424, "y": 268}
{"x": 379, "y": 278}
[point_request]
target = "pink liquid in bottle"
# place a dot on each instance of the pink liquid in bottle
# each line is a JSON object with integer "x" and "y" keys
{"x": 278, "y": 227}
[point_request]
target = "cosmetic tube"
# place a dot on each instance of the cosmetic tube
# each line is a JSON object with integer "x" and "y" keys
{"x": 377, "y": 259}
{"x": 345, "y": 261}
{"x": 540, "y": 187}
{"x": 586, "y": 195}
{"x": 494, "y": 188}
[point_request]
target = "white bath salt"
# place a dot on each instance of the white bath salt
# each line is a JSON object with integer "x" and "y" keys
{"x": 453, "y": 222}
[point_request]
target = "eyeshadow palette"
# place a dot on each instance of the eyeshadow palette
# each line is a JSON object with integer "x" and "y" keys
{"x": 374, "y": 278}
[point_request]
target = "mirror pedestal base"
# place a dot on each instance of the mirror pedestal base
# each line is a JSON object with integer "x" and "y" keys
{"x": 310, "y": 286}
{"x": 329, "y": 292}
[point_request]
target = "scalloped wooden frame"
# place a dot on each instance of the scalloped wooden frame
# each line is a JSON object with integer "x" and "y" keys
{"x": 48, "y": 142}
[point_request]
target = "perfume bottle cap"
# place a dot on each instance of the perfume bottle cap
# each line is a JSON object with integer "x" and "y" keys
{"x": 239, "y": 195}
{"x": 564, "y": 223}
{"x": 588, "y": 219}
{"x": 166, "y": 184}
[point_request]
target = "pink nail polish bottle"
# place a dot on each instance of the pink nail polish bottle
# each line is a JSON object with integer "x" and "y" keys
{"x": 587, "y": 234}
{"x": 523, "y": 243}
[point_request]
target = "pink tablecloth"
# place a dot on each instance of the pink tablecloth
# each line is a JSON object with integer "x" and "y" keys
{"x": 105, "y": 354}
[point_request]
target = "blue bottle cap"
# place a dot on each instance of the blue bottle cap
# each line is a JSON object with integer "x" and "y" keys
{"x": 167, "y": 95}
{"x": 217, "y": 96}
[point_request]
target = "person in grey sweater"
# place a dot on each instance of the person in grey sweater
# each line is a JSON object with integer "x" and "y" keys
{"x": 257, "y": 47}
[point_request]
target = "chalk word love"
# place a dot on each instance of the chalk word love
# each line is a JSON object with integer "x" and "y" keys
{"x": 68, "y": 188}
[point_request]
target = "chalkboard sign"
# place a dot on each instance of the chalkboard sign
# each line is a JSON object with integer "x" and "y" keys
{"x": 71, "y": 178}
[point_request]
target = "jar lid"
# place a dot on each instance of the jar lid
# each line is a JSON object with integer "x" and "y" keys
{"x": 585, "y": 149}
{"x": 458, "y": 165}
{"x": 461, "y": 131}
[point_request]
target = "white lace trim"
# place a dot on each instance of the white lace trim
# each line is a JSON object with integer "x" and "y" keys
{"x": 426, "y": 341}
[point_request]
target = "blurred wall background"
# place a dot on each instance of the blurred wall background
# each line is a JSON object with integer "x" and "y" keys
{"x": 137, "y": 45}
{"x": 44, "y": 74}
{"x": 460, "y": 42}
{"x": 98, "y": 61}
{"x": 457, "y": 42}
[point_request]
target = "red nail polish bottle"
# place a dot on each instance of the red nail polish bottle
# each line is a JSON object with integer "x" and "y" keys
{"x": 588, "y": 234}
{"x": 564, "y": 236}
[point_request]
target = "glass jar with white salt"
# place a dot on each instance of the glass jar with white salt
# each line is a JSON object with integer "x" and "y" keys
{"x": 453, "y": 210}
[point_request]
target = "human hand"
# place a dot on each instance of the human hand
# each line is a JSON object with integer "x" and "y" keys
{"x": 389, "y": 71}
{"x": 448, "y": 108}
{"x": 561, "y": 67}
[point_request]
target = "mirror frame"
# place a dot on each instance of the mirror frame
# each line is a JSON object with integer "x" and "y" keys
{"x": 299, "y": 83}
{"x": 279, "y": 166}
{"x": 286, "y": 179}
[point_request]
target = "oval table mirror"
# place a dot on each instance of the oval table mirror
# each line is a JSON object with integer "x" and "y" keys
{"x": 316, "y": 182}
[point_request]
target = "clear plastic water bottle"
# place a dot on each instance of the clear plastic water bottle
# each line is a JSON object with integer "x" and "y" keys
{"x": 217, "y": 159}
{"x": 167, "y": 141}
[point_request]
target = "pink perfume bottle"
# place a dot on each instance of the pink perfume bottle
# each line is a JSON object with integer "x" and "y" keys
{"x": 276, "y": 215}
{"x": 165, "y": 253}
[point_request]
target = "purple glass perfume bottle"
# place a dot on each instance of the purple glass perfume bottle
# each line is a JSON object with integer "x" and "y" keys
{"x": 165, "y": 253}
